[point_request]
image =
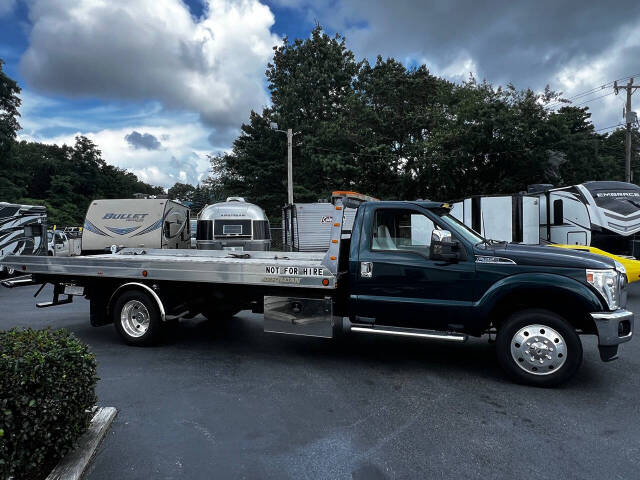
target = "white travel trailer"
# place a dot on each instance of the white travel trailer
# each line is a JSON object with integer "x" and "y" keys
{"x": 511, "y": 218}
{"x": 233, "y": 225}
{"x": 144, "y": 223}
{"x": 306, "y": 227}
{"x": 601, "y": 214}
{"x": 23, "y": 231}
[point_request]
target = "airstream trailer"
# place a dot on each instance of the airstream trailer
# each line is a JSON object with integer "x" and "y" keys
{"x": 233, "y": 225}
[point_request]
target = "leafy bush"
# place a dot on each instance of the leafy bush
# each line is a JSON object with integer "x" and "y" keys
{"x": 47, "y": 386}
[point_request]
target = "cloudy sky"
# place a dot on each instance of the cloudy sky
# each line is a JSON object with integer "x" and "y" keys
{"x": 158, "y": 84}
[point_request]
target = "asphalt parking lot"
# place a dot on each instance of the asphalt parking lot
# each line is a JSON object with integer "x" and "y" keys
{"x": 229, "y": 401}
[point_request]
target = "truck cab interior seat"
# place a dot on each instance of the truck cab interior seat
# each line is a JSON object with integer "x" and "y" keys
{"x": 382, "y": 239}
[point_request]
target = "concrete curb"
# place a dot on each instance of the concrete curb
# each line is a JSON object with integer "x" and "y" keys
{"x": 74, "y": 463}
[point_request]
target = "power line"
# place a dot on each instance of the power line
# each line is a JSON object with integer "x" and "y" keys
{"x": 592, "y": 99}
{"x": 607, "y": 128}
{"x": 589, "y": 92}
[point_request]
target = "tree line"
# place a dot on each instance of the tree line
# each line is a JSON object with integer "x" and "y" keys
{"x": 402, "y": 133}
{"x": 63, "y": 178}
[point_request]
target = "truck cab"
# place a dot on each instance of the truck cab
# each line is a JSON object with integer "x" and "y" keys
{"x": 415, "y": 268}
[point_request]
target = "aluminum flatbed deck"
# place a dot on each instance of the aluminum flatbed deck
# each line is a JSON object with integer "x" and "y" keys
{"x": 295, "y": 269}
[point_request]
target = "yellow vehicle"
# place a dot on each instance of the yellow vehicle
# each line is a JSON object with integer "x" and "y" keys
{"x": 630, "y": 264}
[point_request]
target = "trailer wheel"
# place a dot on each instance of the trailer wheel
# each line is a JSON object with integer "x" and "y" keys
{"x": 137, "y": 318}
{"x": 539, "y": 348}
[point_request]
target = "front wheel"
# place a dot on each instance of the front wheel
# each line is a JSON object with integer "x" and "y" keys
{"x": 538, "y": 347}
{"x": 137, "y": 318}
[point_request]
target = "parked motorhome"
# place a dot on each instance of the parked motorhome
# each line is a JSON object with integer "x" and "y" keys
{"x": 23, "y": 231}
{"x": 306, "y": 227}
{"x": 233, "y": 225}
{"x": 602, "y": 214}
{"x": 145, "y": 223}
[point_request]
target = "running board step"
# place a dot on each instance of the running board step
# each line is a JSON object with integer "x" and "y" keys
{"x": 410, "y": 332}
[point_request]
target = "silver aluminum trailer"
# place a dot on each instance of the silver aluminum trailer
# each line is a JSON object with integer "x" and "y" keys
{"x": 233, "y": 225}
{"x": 143, "y": 291}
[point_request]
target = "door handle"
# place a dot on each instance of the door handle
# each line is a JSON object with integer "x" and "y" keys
{"x": 366, "y": 269}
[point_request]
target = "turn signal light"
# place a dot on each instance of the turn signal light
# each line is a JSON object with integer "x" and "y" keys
{"x": 325, "y": 282}
{"x": 336, "y": 224}
{"x": 333, "y": 257}
{"x": 338, "y": 208}
{"x": 334, "y": 241}
{"x": 590, "y": 277}
{"x": 144, "y": 273}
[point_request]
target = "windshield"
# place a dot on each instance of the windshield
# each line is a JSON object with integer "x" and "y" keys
{"x": 459, "y": 228}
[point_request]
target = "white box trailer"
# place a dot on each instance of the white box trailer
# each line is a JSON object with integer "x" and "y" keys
{"x": 135, "y": 223}
{"x": 306, "y": 227}
{"x": 510, "y": 218}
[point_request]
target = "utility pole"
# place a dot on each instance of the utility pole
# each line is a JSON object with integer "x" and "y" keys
{"x": 290, "y": 135}
{"x": 290, "y": 165}
{"x": 629, "y": 87}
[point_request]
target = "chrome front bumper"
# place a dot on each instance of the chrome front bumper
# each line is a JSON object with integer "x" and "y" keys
{"x": 613, "y": 329}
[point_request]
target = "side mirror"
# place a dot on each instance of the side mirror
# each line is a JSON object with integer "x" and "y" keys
{"x": 443, "y": 246}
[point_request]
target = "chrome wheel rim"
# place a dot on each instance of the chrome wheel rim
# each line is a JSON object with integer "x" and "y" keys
{"x": 135, "y": 318}
{"x": 538, "y": 349}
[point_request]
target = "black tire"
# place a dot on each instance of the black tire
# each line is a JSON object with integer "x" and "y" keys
{"x": 538, "y": 347}
{"x": 125, "y": 305}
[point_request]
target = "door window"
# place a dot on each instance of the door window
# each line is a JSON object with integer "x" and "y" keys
{"x": 405, "y": 230}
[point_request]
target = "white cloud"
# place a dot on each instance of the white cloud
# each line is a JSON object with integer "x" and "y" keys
{"x": 182, "y": 156}
{"x": 154, "y": 50}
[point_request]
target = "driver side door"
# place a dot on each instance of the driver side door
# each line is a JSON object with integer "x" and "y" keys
{"x": 398, "y": 284}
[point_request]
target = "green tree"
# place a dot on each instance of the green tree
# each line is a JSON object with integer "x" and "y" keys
{"x": 9, "y": 104}
{"x": 182, "y": 191}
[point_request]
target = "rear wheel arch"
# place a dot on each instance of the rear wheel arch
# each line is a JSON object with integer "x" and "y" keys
{"x": 135, "y": 286}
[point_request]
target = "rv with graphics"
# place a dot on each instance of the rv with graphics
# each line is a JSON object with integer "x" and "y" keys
{"x": 140, "y": 223}
{"x": 23, "y": 231}
{"x": 601, "y": 214}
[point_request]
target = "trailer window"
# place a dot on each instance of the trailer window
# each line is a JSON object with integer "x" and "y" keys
{"x": 261, "y": 230}
{"x": 204, "y": 230}
{"x": 232, "y": 229}
{"x": 558, "y": 212}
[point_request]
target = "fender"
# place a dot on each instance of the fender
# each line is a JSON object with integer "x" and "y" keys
{"x": 540, "y": 283}
{"x": 140, "y": 286}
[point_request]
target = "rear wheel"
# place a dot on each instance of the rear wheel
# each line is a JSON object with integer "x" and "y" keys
{"x": 136, "y": 317}
{"x": 539, "y": 348}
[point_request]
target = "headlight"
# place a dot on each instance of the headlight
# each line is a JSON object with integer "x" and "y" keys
{"x": 606, "y": 282}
